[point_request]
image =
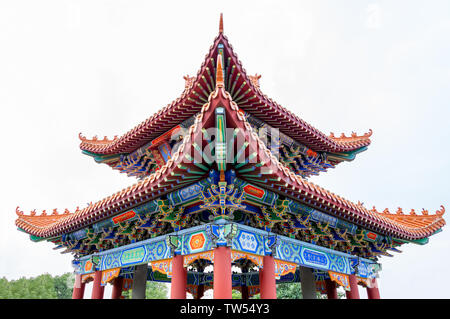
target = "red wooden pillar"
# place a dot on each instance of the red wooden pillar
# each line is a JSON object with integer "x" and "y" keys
{"x": 353, "y": 293}
{"x": 267, "y": 282}
{"x": 97, "y": 289}
{"x": 244, "y": 289}
{"x": 78, "y": 288}
{"x": 117, "y": 288}
{"x": 373, "y": 293}
{"x": 222, "y": 273}
{"x": 244, "y": 292}
{"x": 179, "y": 278}
{"x": 200, "y": 291}
{"x": 331, "y": 289}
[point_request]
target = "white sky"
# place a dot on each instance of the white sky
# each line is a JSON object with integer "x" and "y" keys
{"x": 102, "y": 67}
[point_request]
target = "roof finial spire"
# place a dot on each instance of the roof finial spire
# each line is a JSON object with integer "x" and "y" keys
{"x": 219, "y": 72}
{"x": 221, "y": 23}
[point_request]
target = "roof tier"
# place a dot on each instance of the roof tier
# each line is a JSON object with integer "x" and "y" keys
{"x": 245, "y": 91}
{"x": 266, "y": 170}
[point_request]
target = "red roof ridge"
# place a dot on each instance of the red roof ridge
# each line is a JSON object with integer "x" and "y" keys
{"x": 352, "y": 138}
{"x": 95, "y": 139}
{"x": 255, "y": 79}
{"x": 55, "y": 212}
{"x": 412, "y": 213}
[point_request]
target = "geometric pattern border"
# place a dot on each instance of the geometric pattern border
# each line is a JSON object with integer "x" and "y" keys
{"x": 248, "y": 241}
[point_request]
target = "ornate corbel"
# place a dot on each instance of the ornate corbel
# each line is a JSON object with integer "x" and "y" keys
{"x": 272, "y": 215}
{"x": 271, "y": 242}
{"x": 173, "y": 243}
{"x": 222, "y": 200}
{"x": 95, "y": 260}
{"x": 171, "y": 215}
{"x": 221, "y": 234}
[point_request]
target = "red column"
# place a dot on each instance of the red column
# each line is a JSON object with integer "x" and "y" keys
{"x": 331, "y": 289}
{"x": 353, "y": 293}
{"x": 78, "y": 288}
{"x": 373, "y": 293}
{"x": 117, "y": 288}
{"x": 200, "y": 291}
{"x": 97, "y": 289}
{"x": 222, "y": 273}
{"x": 244, "y": 292}
{"x": 267, "y": 282}
{"x": 179, "y": 278}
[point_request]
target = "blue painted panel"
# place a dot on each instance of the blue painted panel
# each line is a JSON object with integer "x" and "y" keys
{"x": 244, "y": 239}
{"x": 249, "y": 242}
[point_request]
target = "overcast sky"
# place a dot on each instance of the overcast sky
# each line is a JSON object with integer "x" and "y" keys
{"x": 102, "y": 67}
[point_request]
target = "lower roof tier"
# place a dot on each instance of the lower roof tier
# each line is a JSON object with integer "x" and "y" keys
{"x": 243, "y": 203}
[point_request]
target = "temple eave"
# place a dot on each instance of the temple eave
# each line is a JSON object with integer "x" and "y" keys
{"x": 282, "y": 178}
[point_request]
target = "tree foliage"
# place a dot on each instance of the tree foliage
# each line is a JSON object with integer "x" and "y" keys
{"x": 41, "y": 287}
{"x": 154, "y": 290}
{"x": 293, "y": 290}
{"x": 289, "y": 291}
{"x": 235, "y": 294}
{"x": 60, "y": 287}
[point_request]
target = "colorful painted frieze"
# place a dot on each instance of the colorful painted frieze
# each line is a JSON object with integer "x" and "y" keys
{"x": 341, "y": 279}
{"x": 282, "y": 268}
{"x": 157, "y": 276}
{"x": 187, "y": 195}
{"x": 257, "y": 195}
{"x": 127, "y": 216}
{"x": 221, "y": 234}
{"x": 109, "y": 275}
{"x": 245, "y": 242}
{"x": 206, "y": 255}
{"x": 195, "y": 242}
{"x": 251, "y": 242}
{"x": 129, "y": 255}
{"x": 312, "y": 257}
{"x": 163, "y": 266}
{"x": 317, "y": 216}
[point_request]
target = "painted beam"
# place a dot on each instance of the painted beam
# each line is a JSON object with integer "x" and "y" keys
{"x": 239, "y": 238}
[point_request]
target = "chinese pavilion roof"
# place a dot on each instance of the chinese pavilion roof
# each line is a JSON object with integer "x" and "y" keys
{"x": 266, "y": 171}
{"x": 253, "y": 163}
{"x": 245, "y": 91}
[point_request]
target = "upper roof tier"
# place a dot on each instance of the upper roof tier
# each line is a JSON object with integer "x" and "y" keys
{"x": 246, "y": 93}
